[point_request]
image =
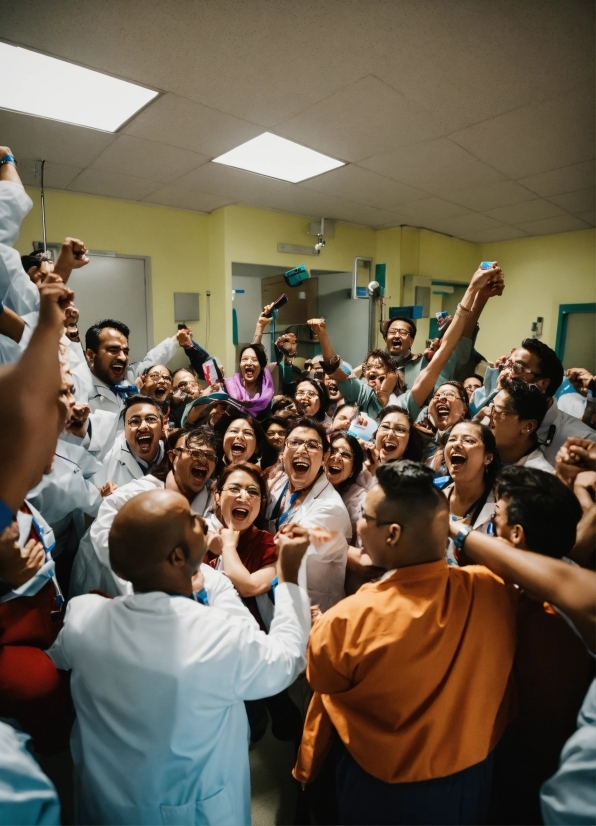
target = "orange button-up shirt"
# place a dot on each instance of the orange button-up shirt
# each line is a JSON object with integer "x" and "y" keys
{"x": 413, "y": 673}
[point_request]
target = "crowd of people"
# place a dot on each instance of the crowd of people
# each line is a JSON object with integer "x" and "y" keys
{"x": 413, "y": 538}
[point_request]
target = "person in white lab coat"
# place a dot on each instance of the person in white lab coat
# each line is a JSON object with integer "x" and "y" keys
{"x": 106, "y": 379}
{"x": 190, "y": 463}
{"x": 536, "y": 363}
{"x": 515, "y": 414}
{"x": 304, "y": 495}
{"x": 158, "y": 679}
{"x": 26, "y": 794}
{"x": 137, "y": 450}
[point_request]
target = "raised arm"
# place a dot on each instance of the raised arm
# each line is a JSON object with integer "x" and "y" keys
{"x": 247, "y": 584}
{"x": 30, "y": 414}
{"x": 569, "y": 588}
{"x": 262, "y": 323}
{"x": 11, "y": 323}
{"x": 484, "y": 284}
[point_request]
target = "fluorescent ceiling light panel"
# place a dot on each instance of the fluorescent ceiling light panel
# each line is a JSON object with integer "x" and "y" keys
{"x": 278, "y": 158}
{"x": 36, "y": 84}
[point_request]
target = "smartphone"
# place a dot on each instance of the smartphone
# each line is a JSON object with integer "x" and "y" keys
{"x": 442, "y": 314}
{"x": 486, "y": 265}
{"x": 182, "y": 327}
{"x": 279, "y": 302}
{"x": 211, "y": 372}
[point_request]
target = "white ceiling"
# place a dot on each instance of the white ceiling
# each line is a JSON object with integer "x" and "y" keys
{"x": 470, "y": 117}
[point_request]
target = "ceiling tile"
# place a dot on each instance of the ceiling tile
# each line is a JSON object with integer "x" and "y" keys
{"x": 180, "y": 122}
{"x": 58, "y": 142}
{"x": 176, "y": 196}
{"x": 580, "y": 201}
{"x": 564, "y": 223}
{"x": 502, "y": 233}
{"x": 431, "y": 209}
{"x": 536, "y": 137}
{"x": 437, "y": 166}
{"x": 112, "y": 185}
{"x": 147, "y": 159}
{"x": 588, "y": 217}
{"x": 558, "y": 181}
{"x": 467, "y": 225}
{"x": 529, "y": 211}
{"x": 481, "y": 198}
{"x": 361, "y": 120}
{"x": 364, "y": 187}
{"x": 234, "y": 184}
{"x": 55, "y": 175}
{"x": 438, "y": 53}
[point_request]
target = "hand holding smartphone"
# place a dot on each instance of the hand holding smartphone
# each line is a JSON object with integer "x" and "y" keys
{"x": 279, "y": 302}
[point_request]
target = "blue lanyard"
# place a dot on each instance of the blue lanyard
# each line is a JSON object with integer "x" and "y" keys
{"x": 293, "y": 496}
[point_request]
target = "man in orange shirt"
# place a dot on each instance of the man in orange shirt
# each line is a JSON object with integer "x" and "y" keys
{"x": 411, "y": 675}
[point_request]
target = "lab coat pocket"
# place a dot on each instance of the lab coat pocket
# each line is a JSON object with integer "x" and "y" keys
{"x": 179, "y": 815}
{"x": 215, "y": 810}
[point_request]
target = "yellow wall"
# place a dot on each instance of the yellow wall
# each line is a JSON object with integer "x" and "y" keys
{"x": 192, "y": 252}
{"x": 175, "y": 239}
{"x": 541, "y": 273}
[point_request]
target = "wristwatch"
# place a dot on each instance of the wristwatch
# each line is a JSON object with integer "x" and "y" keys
{"x": 462, "y": 536}
{"x": 8, "y": 159}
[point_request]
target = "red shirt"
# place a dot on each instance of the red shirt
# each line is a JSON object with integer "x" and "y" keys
{"x": 256, "y": 550}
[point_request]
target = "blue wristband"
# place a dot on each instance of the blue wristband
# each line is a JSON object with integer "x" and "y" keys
{"x": 8, "y": 159}
{"x": 6, "y": 516}
{"x": 1, "y": 308}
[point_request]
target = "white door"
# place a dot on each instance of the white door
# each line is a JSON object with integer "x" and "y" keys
{"x": 113, "y": 287}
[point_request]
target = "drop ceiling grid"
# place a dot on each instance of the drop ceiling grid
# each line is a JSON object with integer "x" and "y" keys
{"x": 435, "y": 133}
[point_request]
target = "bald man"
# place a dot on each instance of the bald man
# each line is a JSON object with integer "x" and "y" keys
{"x": 158, "y": 679}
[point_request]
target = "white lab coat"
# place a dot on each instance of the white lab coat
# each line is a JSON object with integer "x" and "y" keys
{"x": 158, "y": 682}
{"x": 119, "y": 466}
{"x": 91, "y": 569}
{"x": 68, "y": 492}
{"x": 557, "y": 427}
{"x": 536, "y": 460}
{"x": 26, "y": 794}
{"x": 17, "y": 290}
{"x": 568, "y": 796}
{"x": 323, "y": 569}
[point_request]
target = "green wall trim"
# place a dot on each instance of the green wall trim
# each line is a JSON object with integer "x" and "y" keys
{"x": 564, "y": 312}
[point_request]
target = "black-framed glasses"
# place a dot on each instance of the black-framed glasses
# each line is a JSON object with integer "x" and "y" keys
{"x": 518, "y": 368}
{"x": 236, "y": 490}
{"x": 158, "y": 376}
{"x": 197, "y": 453}
{"x": 311, "y": 445}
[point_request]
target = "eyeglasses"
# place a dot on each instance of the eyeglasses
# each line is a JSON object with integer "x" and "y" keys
{"x": 450, "y": 397}
{"x": 306, "y": 394}
{"x": 395, "y": 332}
{"x": 137, "y": 421}
{"x": 335, "y": 451}
{"x": 499, "y": 410}
{"x": 368, "y": 519}
{"x": 184, "y": 384}
{"x": 197, "y": 453}
{"x": 400, "y": 429}
{"x": 518, "y": 368}
{"x": 311, "y": 445}
{"x": 236, "y": 490}
{"x": 158, "y": 376}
